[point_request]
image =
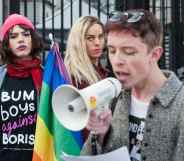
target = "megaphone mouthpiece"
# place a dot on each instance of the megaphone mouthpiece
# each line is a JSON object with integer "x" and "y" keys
{"x": 76, "y": 105}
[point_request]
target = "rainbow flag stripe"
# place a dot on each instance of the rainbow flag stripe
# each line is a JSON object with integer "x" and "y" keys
{"x": 51, "y": 138}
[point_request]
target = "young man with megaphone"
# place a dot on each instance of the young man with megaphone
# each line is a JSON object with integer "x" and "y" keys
{"x": 148, "y": 116}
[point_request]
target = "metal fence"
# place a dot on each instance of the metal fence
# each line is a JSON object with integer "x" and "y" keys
{"x": 171, "y": 14}
{"x": 57, "y": 17}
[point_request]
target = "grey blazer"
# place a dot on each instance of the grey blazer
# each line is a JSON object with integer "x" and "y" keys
{"x": 164, "y": 127}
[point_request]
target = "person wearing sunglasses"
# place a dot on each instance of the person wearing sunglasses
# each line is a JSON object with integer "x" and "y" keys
{"x": 20, "y": 84}
{"x": 148, "y": 113}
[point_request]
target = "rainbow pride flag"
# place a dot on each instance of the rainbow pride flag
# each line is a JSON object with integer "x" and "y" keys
{"x": 51, "y": 138}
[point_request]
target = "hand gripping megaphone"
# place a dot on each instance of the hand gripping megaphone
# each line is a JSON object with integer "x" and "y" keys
{"x": 72, "y": 106}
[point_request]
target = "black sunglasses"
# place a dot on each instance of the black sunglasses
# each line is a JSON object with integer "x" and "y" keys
{"x": 130, "y": 16}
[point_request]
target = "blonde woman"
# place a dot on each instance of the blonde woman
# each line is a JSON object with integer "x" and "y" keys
{"x": 85, "y": 46}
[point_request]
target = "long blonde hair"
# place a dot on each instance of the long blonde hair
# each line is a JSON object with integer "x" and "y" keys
{"x": 77, "y": 61}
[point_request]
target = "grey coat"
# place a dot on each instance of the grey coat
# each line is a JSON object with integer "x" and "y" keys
{"x": 164, "y": 127}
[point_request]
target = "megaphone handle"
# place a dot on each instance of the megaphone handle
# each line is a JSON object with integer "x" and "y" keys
{"x": 94, "y": 143}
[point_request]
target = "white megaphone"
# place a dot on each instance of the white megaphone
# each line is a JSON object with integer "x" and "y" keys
{"x": 72, "y": 106}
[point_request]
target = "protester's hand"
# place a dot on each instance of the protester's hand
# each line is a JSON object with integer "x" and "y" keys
{"x": 99, "y": 123}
